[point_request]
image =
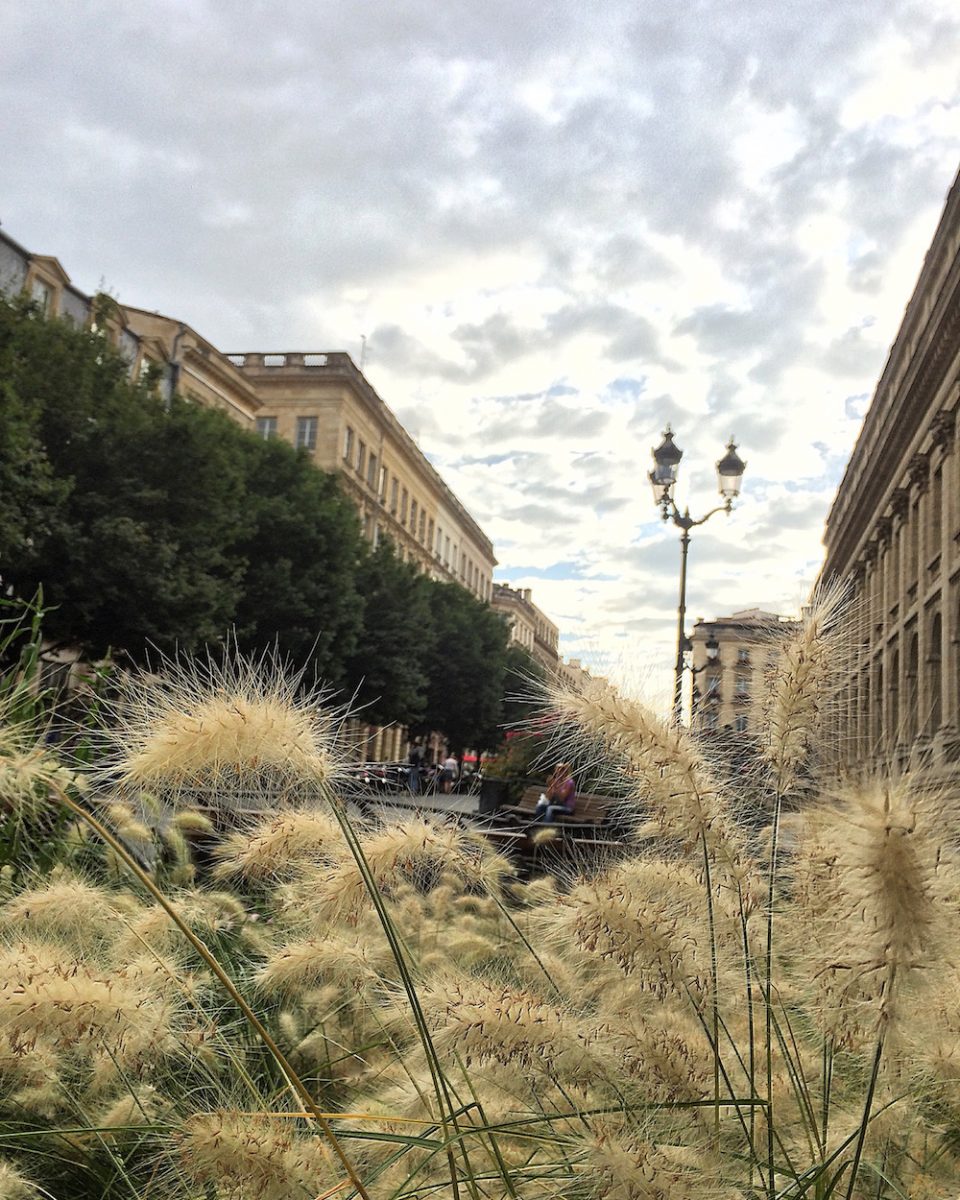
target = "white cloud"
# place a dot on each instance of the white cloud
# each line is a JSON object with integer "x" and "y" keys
{"x": 559, "y": 227}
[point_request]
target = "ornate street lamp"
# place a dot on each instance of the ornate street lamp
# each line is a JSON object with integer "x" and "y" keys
{"x": 663, "y": 478}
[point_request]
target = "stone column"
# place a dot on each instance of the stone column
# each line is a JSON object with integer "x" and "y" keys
{"x": 944, "y": 439}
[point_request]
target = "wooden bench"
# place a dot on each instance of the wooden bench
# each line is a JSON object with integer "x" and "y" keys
{"x": 590, "y": 810}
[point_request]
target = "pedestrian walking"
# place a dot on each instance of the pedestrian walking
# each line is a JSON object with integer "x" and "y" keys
{"x": 415, "y": 762}
{"x": 449, "y": 772}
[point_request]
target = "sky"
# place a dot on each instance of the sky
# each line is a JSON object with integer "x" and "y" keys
{"x": 550, "y": 228}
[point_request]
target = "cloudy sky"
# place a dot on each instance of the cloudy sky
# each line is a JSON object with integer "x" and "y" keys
{"x": 558, "y": 225}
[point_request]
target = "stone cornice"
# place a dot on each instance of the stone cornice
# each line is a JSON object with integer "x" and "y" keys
{"x": 927, "y": 346}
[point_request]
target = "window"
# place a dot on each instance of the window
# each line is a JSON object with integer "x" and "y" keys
{"x": 743, "y": 655}
{"x": 741, "y": 687}
{"x": 403, "y": 507}
{"x": 372, "y": 471}
{"x": 430, "y": 541}
{"x": 306, "y": 433}
{"x": 267, "y": 427}
{"x": 361, "y": 456}
{"x": 446, "y": 551}
{"x": 422, "y": 528}
{"x": 710, "y": 721}
{"x": 394, "y": 490}
{"x": 348, "y": 444}
{"x": 42, "y": 294}
{"x": 382, "y": 486}
{"x": 413, "y": 516}
{"x": 712, "y": 687}
{"x": 740, "y": 723}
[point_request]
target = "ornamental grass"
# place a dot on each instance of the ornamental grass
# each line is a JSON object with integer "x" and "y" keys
{"x": 754, "y": 1009}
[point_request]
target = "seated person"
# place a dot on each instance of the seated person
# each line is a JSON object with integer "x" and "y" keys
{"x": 560, "y": 797}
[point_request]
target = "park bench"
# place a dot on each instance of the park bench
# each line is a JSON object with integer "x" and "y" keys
{"x": 589, "y": 813}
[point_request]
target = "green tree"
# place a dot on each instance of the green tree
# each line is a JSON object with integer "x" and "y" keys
{"x": 302, "y": 550}
{"x": 388, "y": 670}
{"x": 30, "y": 492}
{"x": 523, "y": 687}
{"x": 465, "y": 665}
{"x": 148, "y": 497}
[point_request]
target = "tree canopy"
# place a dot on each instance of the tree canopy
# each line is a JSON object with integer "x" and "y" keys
{"x": 163, "y": 523}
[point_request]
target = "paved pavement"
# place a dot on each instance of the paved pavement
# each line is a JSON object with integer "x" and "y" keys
{"x": 457, "y": 804}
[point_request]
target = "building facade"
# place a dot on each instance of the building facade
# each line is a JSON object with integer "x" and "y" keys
{"x": 893, "y": 535}
{"x": 192, "y": 366}
{"x": 322, "y": 403}
{"x": 729, "y": 686}
{"x": 529, "y": 627}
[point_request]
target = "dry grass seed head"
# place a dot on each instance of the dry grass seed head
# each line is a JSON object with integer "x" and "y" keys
{"x": 623, "y": 1165}
{"x": 68, "y": 909}
{"x": 671, "y": 780}
{"x": 246, "y": 1155}
{"x": 14, "y": 1184}
{"x": 641, "y": 919}
{"x": 415, "y": 853}
{"x": 485, "y": 1021}
{"x": 281, "y": 846}
{"x": 43, "y": 994}
{"x": 232, "y": 732}
{"x": 884, "y": 846}
{"x": 810, "y": 665}
{"x": 357, "y": 963}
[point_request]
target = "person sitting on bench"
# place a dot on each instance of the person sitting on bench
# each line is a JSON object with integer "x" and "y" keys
{"x": 560, "y": 798}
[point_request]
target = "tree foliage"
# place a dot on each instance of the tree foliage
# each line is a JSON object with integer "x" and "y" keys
{"x": 388, "y": 669}
{"x": 302, "y": 556}
{"x": 163, "y": 523}
{"x": 466, "y": 664}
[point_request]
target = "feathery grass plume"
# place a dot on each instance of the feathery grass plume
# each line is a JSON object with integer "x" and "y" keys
{"x": 232, "y": 732}
{"x": 44, "y": 994}
{"x": 14, "y": 1185}
{"x": 213, "y": 916}
{"x": 68, "y": 910}
{"x": 881, "y": 855}
{"x": 27, "y": 769}
{"x": 242, "y": 1155}
{"x": 623, "y": 1165}
{"x": 670, "y": 777}
{"x": 484, "y": 1021}
{"x": 414, "y": 852}
{"x": 660, "y": 1048}
{"x": 124, "y": 1113}
{"x": 809, "y": 667}
{"x": 645, "y": 917}
{"x": 280, "y": 846}
{"x": 357, "y": 963}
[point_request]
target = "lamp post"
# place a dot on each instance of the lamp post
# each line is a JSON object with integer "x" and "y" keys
{"x": 663, "y": 478}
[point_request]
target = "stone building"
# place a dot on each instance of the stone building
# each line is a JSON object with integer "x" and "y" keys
{"x": 893, "y": 534}
{"x": 574, "y": 675}
{"x": 732, "y": 657}
{"x": 529, "y": 627}
{"x": 323, "y": 403}
{"x": 189, "y": 364}
{"x": 48, "y": 285}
